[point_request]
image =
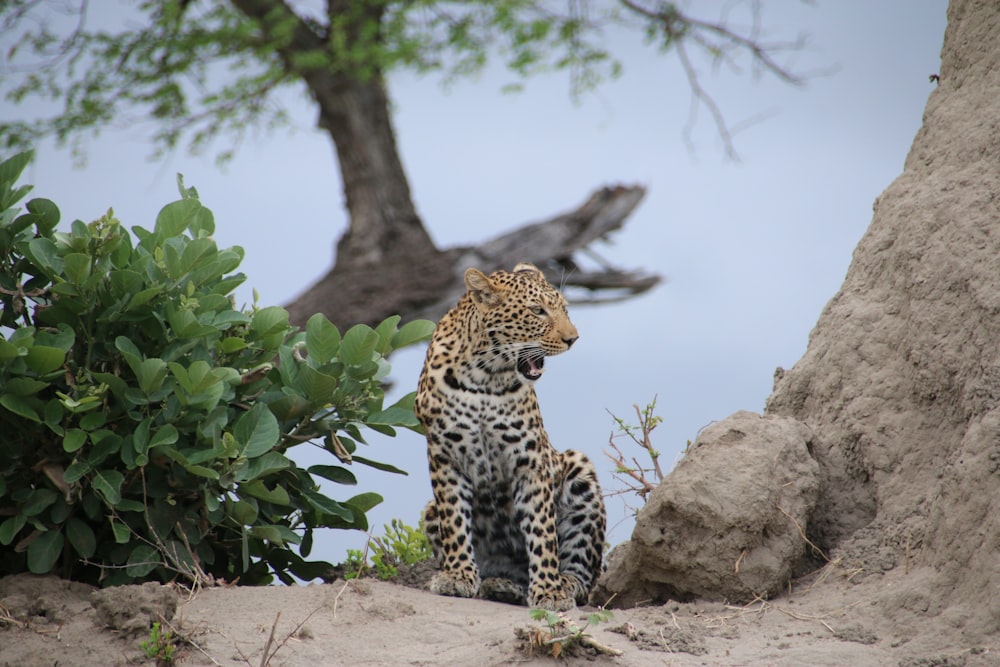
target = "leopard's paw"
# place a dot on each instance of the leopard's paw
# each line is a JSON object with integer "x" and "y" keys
{"x": 575, "y": 588}
{"x": 456, "y": 584}
{"x": 500, "y": 589}
{"x": 552, "y": 600}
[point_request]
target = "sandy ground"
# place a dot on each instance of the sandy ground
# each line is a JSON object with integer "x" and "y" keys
{"x": 46, "y": 622}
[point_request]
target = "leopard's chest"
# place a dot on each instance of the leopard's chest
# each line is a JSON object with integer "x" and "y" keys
{"x": 493, "y": 439}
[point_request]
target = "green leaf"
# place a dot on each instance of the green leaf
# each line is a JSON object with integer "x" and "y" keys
{"x": 322, "y": 339}
{"x": 202, "y": 471}
{"x": 140, "y": 436}
{"x": 413, "y": 332}
{"x": 319, "y": 387}
{"x": 81, "y": 537}
{"x": 11, "y": 527}
{"x": 44, "y": 359}
{"x": 195, "y": 379}
{"x": 93, "y": 421}
{"x": 262, "y": 466}
{"x": 143, "y": 560}
{"x": 358, "y": 345}
{"x": 74, "y": 440}
{"x": 269, "y": 533}
{"x": 9, "y": 351}
{"x": 150, "y": 374}
{"x": 62, "y": 339}
{"x": 25, "y": 386}
{"x": 290, "y": 406}
{"x": 142, "y": 298}
{"x": 45, "y": 215}
{"x": 244, "y": 512}
{"x": 175, "y": 217}
{"x": 38, "y": 500}
{"x": 127, "y": 348}
{"x": 256, "y": 431}
{"x": 19, "y": 406}
{"x": 386, "y": 330}
{"x": 122, "y": 533}
{"x": 273, "y": 319}
{"x": 165, "y": 435}
{"x": 365, "y": 501}
{"x": 394, "y": 416}
{"x": 108, "y": 483}
{"x": 327, "y": 505}
{"x": 44, "y": 551}
{"x": 125, "y": 283}
{"x": 197, "y": 251}
{"x": 385, "y": 467}
{"x": 11, "y": 168}
{"x": 76, "y": 471}
{"x": 53, "y": 414}
{"x": 336, "y": 474}
{"x": 77, "y": 267}
{"x": 363, "y": 371}
{"x": 43, "y": 252}
{"x": 257, "y": 489}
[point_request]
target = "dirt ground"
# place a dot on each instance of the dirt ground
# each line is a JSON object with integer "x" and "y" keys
{"x": 825, "y": 619}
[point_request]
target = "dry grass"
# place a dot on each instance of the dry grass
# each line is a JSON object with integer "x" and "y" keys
{"x": 6, "y": 618}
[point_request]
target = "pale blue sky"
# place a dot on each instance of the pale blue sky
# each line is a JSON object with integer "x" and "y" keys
{"x": 751, "y": 251}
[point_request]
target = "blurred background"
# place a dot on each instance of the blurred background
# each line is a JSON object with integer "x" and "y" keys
{"x": 751, "y": 249}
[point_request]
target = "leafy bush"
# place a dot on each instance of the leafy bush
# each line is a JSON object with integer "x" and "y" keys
{"x": 402, "y": 544}
{"x": 145, "y": 422}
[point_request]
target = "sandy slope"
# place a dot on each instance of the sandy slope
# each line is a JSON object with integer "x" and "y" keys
{"x": 832, "y": 622}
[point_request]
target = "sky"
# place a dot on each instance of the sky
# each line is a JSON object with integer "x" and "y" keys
{"x": 750, "y": 251}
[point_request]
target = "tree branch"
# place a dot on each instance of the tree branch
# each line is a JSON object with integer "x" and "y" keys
{"x": 427, "y": 286}
{"x": 719, "y": 41}
{"x": 553, "y": 244}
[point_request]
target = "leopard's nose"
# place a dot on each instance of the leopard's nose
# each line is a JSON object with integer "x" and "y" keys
{"x": 569, "y": 341}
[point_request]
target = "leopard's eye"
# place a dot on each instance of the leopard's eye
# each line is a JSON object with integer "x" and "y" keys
{"x": 538, "y": 310}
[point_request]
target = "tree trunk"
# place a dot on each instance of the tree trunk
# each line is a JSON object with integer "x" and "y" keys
{"x": 386, "y": 262}
{"x": 384, "y": 223}
{"x": 427, "y": 286}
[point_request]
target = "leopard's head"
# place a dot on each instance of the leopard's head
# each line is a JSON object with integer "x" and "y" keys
{"x": 523, "y": 317}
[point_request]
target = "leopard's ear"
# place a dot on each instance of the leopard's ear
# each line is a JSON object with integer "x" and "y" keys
{"x": 525, "y": 267}
{"x": 484, "y": 292}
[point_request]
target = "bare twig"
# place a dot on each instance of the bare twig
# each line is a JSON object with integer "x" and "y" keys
{"x": 6, "y": 618}
{"x": 807, "y": 617}
{"x": 722, "y": 43}
{"x": 265, "y": 659}
{"x": 294, "y": 632}
{"x": 630, "y": 472}
{"x": 185, "y": 637}
{"x": 802, "y": 532}
{"x": 361, "y": 569}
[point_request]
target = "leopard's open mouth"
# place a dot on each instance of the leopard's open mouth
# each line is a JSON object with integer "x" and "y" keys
{"x": 531, "y": 363}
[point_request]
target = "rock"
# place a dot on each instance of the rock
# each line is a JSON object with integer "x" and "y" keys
{"x": 133, "y": 609}
{"x": 727, "y": 523}
{"x": 900, "y": 383}
{"x": 40, "y": 599}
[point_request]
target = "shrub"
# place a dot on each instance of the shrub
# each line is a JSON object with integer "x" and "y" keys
{"x": 401, "y": 544}
{"x": 632, "y": 476}
{"x": 146, "y": 422}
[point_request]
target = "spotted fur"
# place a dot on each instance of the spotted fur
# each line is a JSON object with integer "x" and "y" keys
{"x": 512, "y": 519}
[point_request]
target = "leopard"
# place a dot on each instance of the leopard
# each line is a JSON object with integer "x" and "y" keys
{"x": 512, "y": 519}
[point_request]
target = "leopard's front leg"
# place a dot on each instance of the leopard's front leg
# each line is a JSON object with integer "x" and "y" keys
{"x": 535, "y": 508}
{"x": 449, "y": 525}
